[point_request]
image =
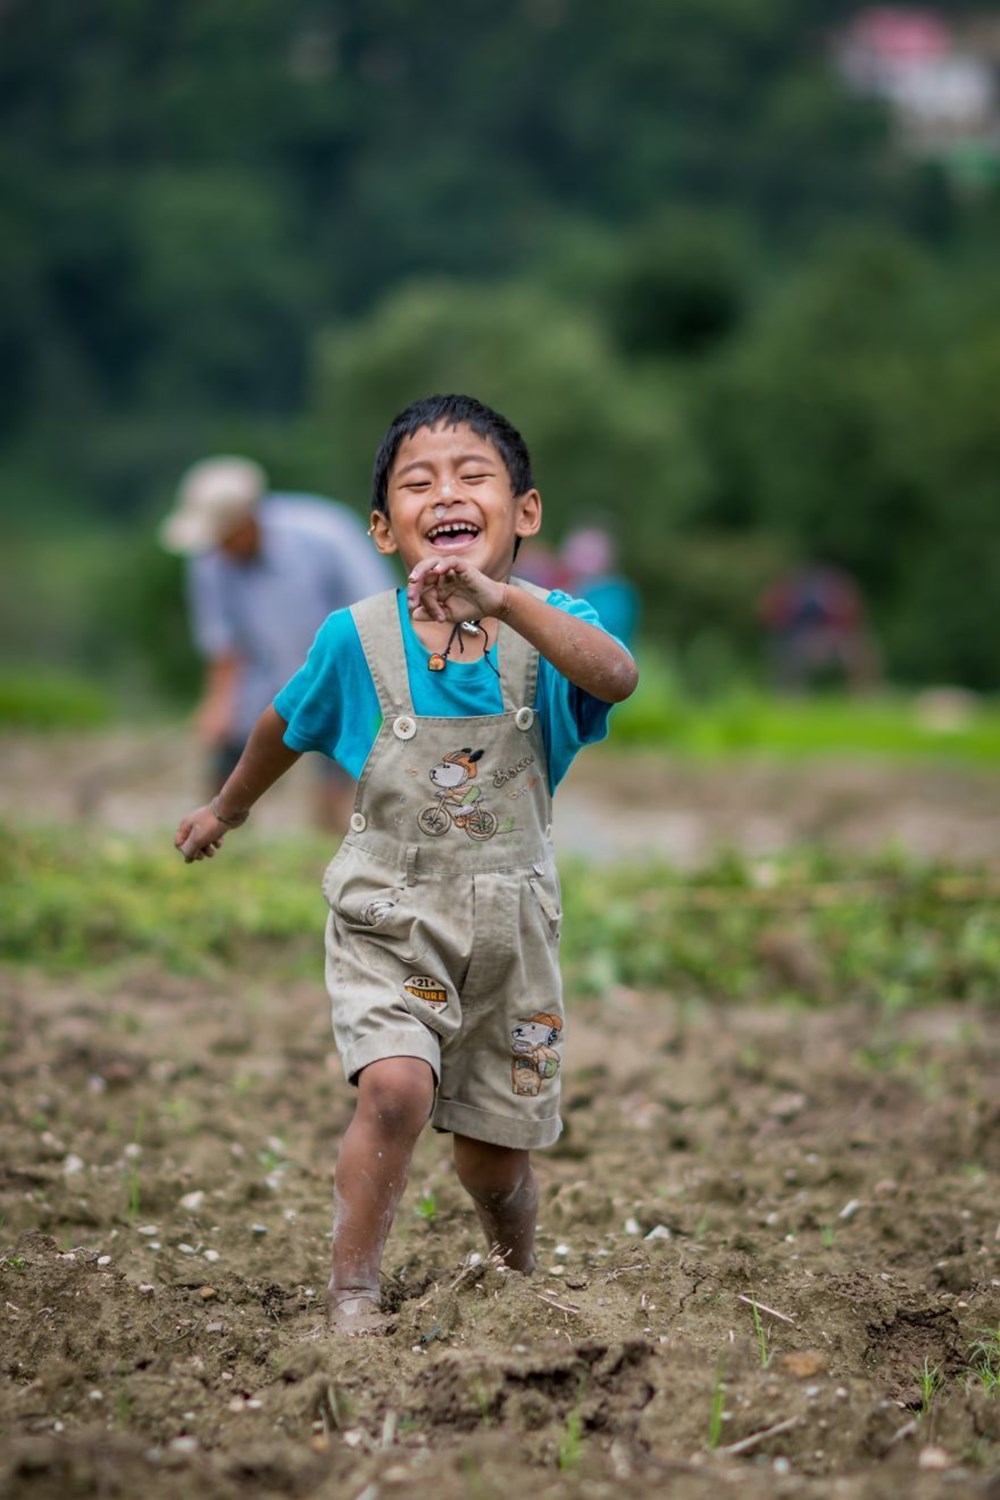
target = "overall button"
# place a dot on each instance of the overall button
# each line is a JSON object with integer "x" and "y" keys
{"x": 358, "y": 822}
{"x": 404, "y": 728}
{"x": 524, "y": 718}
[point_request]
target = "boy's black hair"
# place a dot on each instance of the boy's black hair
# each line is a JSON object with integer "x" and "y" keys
{"x": 452, "y": 410}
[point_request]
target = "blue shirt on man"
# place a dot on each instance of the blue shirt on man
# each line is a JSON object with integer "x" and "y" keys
{"x": 314, "y": 558}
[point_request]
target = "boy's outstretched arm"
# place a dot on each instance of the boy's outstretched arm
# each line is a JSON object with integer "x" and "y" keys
{"x": 588, "y": 656}
{"x": 265, "y": 757}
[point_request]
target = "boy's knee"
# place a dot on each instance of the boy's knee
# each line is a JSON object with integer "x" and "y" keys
{"x": 493, "y": 1176}
{"x": 397, "y": 1095}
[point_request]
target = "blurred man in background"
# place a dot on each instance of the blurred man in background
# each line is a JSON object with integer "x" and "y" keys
{"x": 264, "y": 571}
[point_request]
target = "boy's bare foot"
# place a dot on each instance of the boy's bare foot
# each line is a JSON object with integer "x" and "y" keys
{"x": 358, "y": 1315}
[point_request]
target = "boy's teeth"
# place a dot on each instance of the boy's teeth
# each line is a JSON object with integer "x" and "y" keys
{"x": 453, "y": 528}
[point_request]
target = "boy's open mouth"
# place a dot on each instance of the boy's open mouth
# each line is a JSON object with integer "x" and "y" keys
{"x": 451, "y": 535}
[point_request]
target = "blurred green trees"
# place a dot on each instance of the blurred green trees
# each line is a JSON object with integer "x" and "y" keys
{"x": 723, "y": 307}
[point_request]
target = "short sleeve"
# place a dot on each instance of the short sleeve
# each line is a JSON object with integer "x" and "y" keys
{"x": 331, "y": 705}
{"x": 571, "y": 718}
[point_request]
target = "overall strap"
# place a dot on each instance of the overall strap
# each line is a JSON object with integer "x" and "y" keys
{"x": 518, "y": 659}
{"x": 377, "y": 622}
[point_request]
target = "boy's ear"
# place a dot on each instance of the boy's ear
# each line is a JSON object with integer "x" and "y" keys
{"x": 529, "y": 513}
{"x": 380, "y": 532}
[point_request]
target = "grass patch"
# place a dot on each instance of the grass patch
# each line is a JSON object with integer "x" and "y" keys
{"x": 805, "y": 929}
{"x": 48, "y": 701}
{"x": 77, "y": 900}
{"x": 661, "y": 714}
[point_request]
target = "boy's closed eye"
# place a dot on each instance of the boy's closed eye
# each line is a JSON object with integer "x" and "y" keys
{"x": 423, "y": 484}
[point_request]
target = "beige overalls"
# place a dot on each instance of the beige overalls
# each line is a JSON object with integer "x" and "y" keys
{"x": 442, "y": 939}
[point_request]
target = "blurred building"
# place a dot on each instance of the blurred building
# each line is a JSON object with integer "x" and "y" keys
{"x": 939, "y": 80}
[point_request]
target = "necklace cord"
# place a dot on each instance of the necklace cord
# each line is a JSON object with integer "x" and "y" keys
{"x": 471, "y": 627}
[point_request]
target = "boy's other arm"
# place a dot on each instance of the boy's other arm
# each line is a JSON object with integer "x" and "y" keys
{"x": 265, "y": 758}
{"x": 587, "y": 655}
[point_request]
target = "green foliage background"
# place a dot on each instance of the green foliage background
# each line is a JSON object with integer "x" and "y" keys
{"x": 728, "y": 312}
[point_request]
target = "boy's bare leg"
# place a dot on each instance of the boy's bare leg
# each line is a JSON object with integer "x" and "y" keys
{"x": 502, "y": 1185}
{"x": 395, "y": 1097}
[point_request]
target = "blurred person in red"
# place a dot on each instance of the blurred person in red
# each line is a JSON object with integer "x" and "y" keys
{"x": 817, "y": 630}
{"x": 264, "y": 571}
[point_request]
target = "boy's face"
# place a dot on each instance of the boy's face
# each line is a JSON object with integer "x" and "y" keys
{"x": 449, "y": 495}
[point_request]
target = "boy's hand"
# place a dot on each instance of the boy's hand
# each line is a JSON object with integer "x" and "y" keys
{"x": 199, "y": 834}
{"x": 438, "y": 589}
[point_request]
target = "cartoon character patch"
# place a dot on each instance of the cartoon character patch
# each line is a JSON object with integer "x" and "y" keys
{"x": 535, "y": 1058}
{"x": 423, "y": 987}
{"x": 459, "y": 799}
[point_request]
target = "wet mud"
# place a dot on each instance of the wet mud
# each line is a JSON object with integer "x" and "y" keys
{"x": 769, "y": 1260}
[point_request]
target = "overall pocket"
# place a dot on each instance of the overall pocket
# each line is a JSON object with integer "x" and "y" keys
{"x": 544, "y": 885}
{"x": 365, "y": 901}
{"x": 375, "y": 911}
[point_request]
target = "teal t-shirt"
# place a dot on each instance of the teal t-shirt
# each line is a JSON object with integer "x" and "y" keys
{"x": 331, "y": 704}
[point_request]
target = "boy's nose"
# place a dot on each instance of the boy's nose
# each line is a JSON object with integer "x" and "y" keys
{"x": 443, "y": 499}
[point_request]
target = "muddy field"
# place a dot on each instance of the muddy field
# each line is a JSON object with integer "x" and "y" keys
{"x": 769, "y": 1250}
{"x": 769, "y": 1245}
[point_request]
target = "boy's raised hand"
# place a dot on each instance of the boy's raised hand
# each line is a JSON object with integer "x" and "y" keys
{"x": 439, "y": 589}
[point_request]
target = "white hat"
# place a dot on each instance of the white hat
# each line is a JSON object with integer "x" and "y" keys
{"x": 212, "y": 498}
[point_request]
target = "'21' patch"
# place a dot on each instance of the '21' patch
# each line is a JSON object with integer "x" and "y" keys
{"x": 423, "y": 987}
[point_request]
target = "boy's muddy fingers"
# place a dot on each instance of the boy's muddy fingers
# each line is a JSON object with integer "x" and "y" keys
{"x": 193, "y": 848}
{"x": 198, "y": 837}
{"x": 187, "y": 845}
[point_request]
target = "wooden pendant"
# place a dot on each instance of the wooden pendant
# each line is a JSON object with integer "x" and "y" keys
{"x": 436, "y": 663}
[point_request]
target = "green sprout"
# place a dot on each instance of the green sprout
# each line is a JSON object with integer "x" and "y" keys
{"x": 427, "y": 1205}
{"x": 929, "y": 1382}
{"x": 718, "y": 1403}
{"x": 482, "y": 1396}
{"x": 758, "y": 1327}
{"x": 571, "y": 1442}
{"x": 985, "y": 1351}
{"x": 272, "y": 1156}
